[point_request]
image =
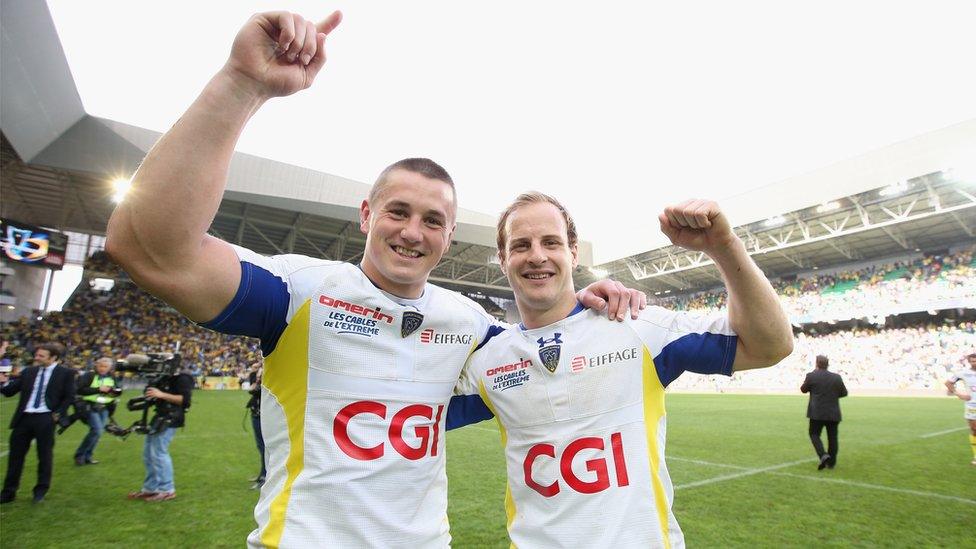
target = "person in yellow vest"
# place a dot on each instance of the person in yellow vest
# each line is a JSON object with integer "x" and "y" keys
{"x": 98, "y": 389}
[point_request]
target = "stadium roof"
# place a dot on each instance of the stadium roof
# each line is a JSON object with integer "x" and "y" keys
{"x": 58, "y": 162}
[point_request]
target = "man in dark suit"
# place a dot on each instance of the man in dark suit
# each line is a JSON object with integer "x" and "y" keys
{"x": 826, "y": 389}
{"x": 46, "y": 389}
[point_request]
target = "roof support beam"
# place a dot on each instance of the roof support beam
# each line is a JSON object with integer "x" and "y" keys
{"x": 968, "y": 230}
{"x": 265, "y": 237}
{"x": 321, "y": 253}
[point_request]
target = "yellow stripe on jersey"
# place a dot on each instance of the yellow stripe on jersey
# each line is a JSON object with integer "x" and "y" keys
{"x": 286, "y": 377}
{"x": 509, "y": 500}
{"x": 653, "y": 412}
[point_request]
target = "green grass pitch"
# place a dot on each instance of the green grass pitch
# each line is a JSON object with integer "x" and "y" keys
{"x": 743, "y": 468}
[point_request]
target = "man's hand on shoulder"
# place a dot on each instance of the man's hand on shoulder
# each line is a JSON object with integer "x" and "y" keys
{"x": 614, "y": 297}
{"x": 279, "y": 53}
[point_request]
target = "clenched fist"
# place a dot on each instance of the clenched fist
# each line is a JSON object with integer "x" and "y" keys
{"x": 697, "y": 225}
{"x": 279, "y": 53}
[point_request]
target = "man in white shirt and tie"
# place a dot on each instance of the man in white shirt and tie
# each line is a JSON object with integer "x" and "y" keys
{"x": 46, "y": 389}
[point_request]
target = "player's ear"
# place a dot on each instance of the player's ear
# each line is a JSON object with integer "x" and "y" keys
{"x": 364, "y": 217}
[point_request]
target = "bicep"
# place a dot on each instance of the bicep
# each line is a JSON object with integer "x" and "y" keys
{"x": 200, "y": 286}
{"x": 744, "y": 360}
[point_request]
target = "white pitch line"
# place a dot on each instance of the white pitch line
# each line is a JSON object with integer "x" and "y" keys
{"x": 879, "y": 487}
{"x": 740, "y": 474}
{"x": 700, "y": 462}
{"x": 771, "y": 470}
{"x": 947, "y": 431}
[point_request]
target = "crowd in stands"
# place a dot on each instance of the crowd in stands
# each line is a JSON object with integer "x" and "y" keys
{"x": 127, "y": 320}
{"x": 918, "y": 358}
{"x": 876, "y": 290}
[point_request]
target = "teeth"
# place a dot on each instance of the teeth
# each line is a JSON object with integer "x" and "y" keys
{"x": 538, "y": 276}
{"x": 403, "y": 251}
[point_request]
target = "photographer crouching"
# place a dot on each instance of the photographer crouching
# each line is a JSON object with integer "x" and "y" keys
{"x": 99, "y": 392}
{"x": 168, "y": 392}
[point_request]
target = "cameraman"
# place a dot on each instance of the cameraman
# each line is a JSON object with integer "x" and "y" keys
{"x": 99, "y": 390}
{"x": 170, "y": 405}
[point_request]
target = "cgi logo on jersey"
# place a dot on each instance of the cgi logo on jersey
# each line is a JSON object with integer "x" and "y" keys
{"x": 510, "y": 375}
{"x": 357, "y": 319}
{"x": 425, "y": 419}
{"x": 429, "y": 336}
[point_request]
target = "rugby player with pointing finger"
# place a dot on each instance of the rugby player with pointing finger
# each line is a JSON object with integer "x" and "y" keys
{"x": 354, "y": 399}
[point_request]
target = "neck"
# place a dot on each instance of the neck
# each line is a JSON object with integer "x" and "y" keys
{"x": 537, "y": 317}
{"x": 406, "y": 291}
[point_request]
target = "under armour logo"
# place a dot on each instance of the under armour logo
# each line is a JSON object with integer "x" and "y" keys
{"x": 555, "y": 339}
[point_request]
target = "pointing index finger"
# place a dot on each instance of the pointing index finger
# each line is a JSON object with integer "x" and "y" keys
{"x": 329, "y": 24}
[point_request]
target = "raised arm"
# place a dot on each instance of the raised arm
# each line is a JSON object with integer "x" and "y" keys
{"x": 158, "y": 235}
{"x": 755, "y": 314}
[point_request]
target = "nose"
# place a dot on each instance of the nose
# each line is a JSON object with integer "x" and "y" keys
{"x": 411, "y": 230}
{"x": 537, "y": 255}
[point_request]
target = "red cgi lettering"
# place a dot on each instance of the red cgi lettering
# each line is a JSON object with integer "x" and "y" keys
{"x": 534, "y": 452}
{"x": 428, "y": 436}
{"x": 597, "y": 465}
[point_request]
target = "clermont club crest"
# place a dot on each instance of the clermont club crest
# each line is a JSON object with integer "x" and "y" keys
{"x": 549, "y": 351}
{"x": 411, "y": 321}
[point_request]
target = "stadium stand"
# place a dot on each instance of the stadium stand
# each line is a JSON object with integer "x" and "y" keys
{"x": 920, "y": 284}
{"x": 127, "y": 320}
{"x": 898, "y": 354}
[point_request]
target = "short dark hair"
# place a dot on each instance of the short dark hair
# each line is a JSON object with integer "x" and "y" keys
{"x": 423, "y": 166}
{"x": 822, "y": 362}
{"x": 533, "y": 197}
{"x": 56, "y": 350}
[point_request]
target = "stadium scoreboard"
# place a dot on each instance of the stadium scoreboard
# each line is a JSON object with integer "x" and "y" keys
{"x": 31, "y": 245}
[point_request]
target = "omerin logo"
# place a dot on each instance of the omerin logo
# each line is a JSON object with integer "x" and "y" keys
{"x": 355, "y": 309}
{"x": 430, "y": 336}
{"x": 507, "y": 376}
{"x": 549, "y": 351}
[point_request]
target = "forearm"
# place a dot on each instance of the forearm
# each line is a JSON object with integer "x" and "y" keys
{"x": 755, "y": 313}
{"x": 171, "y": 398}
{"x": 176, "y": 191}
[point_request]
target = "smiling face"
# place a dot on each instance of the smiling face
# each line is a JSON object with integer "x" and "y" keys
{"x": 538, "y": 261}
{"x": 408, "y": 229}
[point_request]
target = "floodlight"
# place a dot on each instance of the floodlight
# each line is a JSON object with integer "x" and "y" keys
{"x": 828, "y": 206}
{"x": 775, "y": 220}
{"x": 121, "y": 186}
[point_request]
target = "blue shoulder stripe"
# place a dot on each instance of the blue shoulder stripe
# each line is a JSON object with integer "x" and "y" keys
{"x": 704, "y": 353}
{"x": 259, "y": 309}
{"x": 465, "y": 410}
{"x": 493, "y": 330}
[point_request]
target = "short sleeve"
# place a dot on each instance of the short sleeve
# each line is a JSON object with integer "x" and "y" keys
{"x": 682, "y": 341}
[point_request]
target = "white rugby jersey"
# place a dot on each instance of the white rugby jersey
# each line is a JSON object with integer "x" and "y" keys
{"x": 580, "y": 405}
{"x": 968, "y": 376}
{"x": 356, "y": 386}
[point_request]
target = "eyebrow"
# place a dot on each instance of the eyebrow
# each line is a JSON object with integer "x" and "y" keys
{"x": 401, "y": 204}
